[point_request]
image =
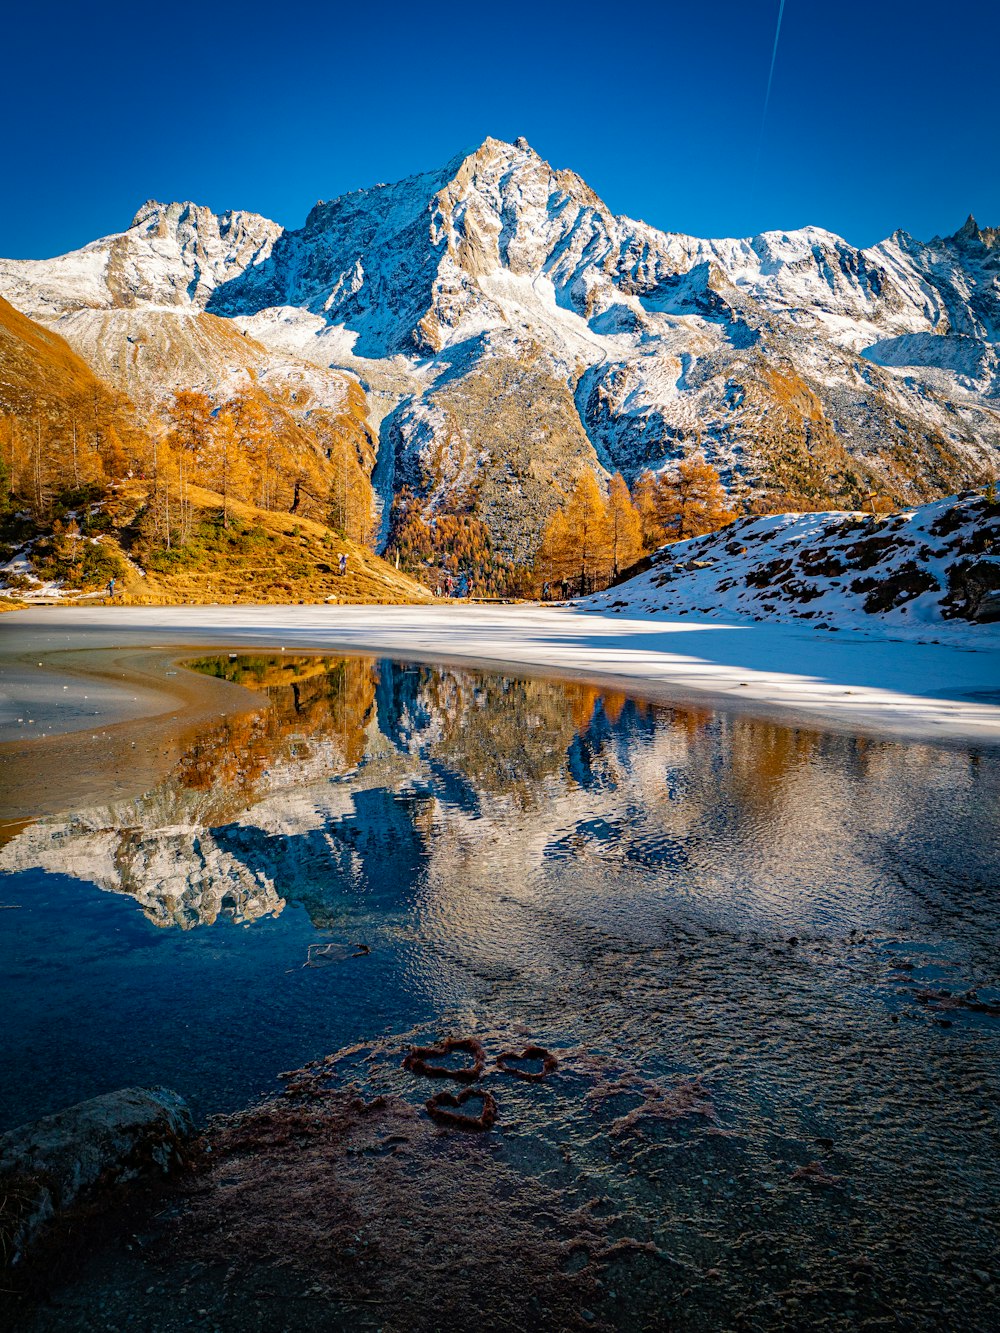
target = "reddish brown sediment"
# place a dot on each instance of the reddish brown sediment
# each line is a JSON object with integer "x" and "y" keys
{"x": 549, "y": 1063}
{"x": 446, "y": 1109}
{"x": 815, "y": 1173}
{"x": 419, "y": 1059}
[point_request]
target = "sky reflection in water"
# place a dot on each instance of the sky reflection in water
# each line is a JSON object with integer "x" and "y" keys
{"x": 507, "y": 850}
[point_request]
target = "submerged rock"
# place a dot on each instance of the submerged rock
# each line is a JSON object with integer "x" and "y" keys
{"x": 83, "y": 1153}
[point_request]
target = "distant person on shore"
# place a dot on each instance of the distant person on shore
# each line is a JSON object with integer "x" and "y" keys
{"x": 111, "y": 587}
{"x": 343, "y": 565}
{"x": 545, "y": 591}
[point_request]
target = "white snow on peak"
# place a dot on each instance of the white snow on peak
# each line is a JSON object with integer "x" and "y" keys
{"x": 662, "y": 337}
{"x": 170, "y": 255}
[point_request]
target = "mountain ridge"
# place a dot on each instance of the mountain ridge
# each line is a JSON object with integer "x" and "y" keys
{"x": 803, "y": 367}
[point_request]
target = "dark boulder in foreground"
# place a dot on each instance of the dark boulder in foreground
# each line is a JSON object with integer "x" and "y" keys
{"x": 73, "y": 1158}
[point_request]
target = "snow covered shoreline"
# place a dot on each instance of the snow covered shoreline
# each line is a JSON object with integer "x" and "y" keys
{"x": 866, "y": 682}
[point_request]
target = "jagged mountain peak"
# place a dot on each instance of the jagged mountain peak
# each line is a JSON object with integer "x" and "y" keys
{"x": 490, "y": 150}
{"x": 480, "y": 168}
{"x": 491, "y": 147}
{"x": 971, "y": 234}
{"x": 180, "y": 213}
{"x": 409, "y": 266}
{"x": 171, "y": 254}
{"x": 969, "y": 238}
{"x": 176, "y": 211}
{"x": 152, "y": 208}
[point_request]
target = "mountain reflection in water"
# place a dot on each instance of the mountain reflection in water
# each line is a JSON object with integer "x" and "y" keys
{"x": 693, "y": 908}
{"x": 370, "y": 784}
{"x": 483, "y": 827}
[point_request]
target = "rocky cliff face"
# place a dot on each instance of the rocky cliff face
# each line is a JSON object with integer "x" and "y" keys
{"x": 800, "y": 364}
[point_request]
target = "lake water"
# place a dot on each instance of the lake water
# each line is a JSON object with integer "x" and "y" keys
{"x": 803, "y": 925}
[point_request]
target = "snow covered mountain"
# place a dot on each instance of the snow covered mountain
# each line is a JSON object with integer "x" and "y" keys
{"x": 133, "y": 305}
{"x": 510, "y": 330}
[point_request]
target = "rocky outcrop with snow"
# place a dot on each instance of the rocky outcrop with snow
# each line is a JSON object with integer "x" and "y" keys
{"x": 927, "y": 572}
{"x": 170, "y": 255}
{"x": 149, "y": 351}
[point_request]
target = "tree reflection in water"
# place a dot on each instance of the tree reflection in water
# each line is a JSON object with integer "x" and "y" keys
{"x": 723, "y": 928}
{"x": 375, "y": 778}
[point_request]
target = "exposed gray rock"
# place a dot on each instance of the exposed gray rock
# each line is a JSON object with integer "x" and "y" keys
{"x": 975, "y": 590}
{"x": 82, "y": 1153}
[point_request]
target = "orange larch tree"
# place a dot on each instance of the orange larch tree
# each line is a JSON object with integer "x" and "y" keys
{"x": 624, "y": 524}
{"x": 587, "y": 530}
{"x": 255, "y": 439}
{"x": 645, "y": 497}
{"x": 555, "y": 560}
{"x": 226, "y": 464}
{"x": 693, "y": 501}
{"x": 189, "y": 419}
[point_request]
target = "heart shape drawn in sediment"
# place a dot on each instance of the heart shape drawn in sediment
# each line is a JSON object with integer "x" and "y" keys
{"x": 420, "y": 1058}
{"x": 507, "y": 1062}
{"x": 445, "y": 1108}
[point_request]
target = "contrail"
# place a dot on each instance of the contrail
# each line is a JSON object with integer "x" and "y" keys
{"x": 767, "y": 99}
{"x": 774, "y": 56}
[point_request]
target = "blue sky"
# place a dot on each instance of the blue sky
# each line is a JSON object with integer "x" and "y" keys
{"x": 882, "y": 114}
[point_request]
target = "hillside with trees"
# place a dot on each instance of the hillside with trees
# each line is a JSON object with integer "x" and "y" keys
{"x": 593, "y": 539}
{"x": 250, "y": 497}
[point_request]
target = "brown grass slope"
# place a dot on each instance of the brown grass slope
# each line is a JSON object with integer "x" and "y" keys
{"x": 27, "y": 354}
{"x": 263, "y": 557}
